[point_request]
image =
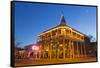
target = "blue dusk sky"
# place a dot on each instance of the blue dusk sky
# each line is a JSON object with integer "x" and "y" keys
{"x": 33, "y": 18}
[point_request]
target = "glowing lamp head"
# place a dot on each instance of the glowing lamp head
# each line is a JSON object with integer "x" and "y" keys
{"x": 36, "y": 48}
{"x": 61, "y": 45}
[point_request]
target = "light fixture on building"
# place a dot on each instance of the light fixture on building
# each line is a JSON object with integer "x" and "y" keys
{"x": 60, "y": 45}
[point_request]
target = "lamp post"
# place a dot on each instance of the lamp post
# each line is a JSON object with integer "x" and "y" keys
{"x": 35, "y": 49}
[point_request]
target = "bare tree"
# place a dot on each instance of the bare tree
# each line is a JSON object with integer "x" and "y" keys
{"x": 92, "y": 39}
{"x": 17, "y": 44}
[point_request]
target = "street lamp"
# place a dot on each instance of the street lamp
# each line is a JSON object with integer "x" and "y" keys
{"x": 34, "y": 47}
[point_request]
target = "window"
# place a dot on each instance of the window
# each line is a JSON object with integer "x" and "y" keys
{"x": 59, "y": 31}
{"x": 53, "y": 33}
{"x": 82, "y": 38}
{"x": 67, "y": 31}
{"x": 54, "y": 46}
{"x": 61, "y": 41}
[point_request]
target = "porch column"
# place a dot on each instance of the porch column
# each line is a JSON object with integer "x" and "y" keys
{"x": 64, "y": 48}
{"x": 50, "y": 51}
{"x": 77, "y": 49}
{"x": 81, "y": 50}
{"x": 72, "y": 49}
{"x": 84, "y": 49}
{"x": 50, "y": 47}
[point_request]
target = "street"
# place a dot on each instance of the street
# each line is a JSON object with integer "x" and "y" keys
{"x": 27, "y": 62}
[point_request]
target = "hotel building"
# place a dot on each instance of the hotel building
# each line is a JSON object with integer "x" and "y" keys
{"x": 62, "y": 42}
